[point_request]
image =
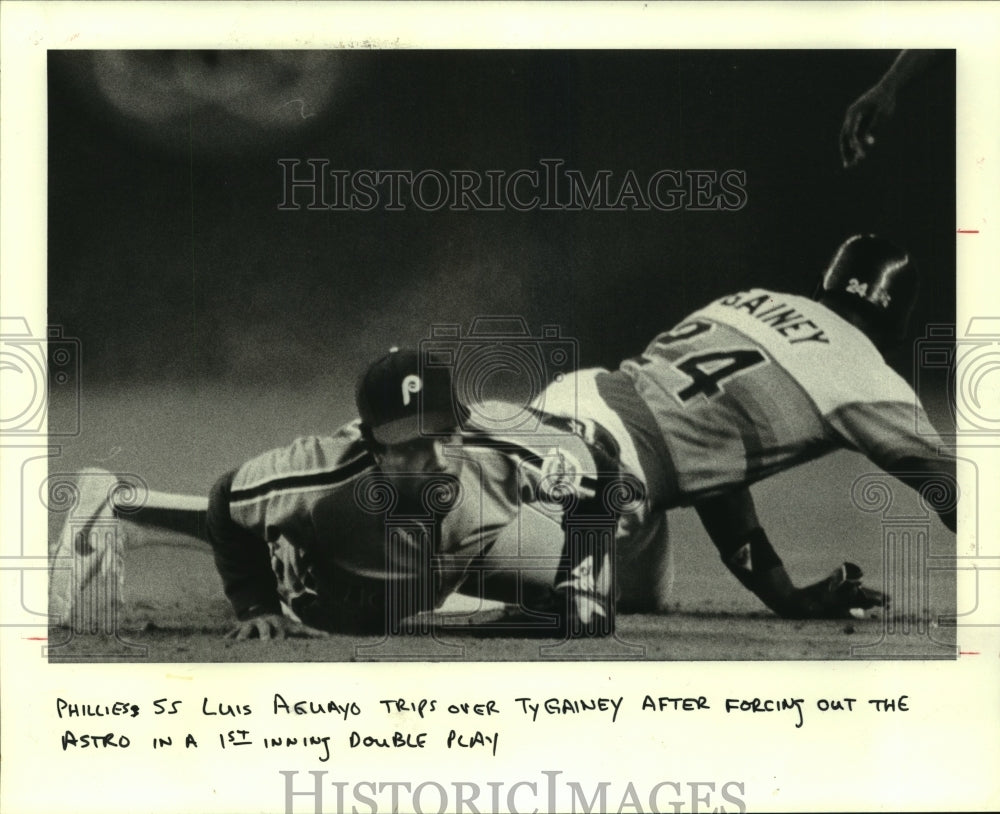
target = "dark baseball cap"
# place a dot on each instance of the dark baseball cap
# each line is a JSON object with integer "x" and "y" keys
{"x": 401, "y": 400}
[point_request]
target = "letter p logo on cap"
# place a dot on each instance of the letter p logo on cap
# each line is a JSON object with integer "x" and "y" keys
{"x": 411, "y": 384}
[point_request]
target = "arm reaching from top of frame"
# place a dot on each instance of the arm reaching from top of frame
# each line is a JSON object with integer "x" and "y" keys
{"x": 872, "y": 108}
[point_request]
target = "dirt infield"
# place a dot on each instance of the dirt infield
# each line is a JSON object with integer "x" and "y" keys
{"x": 817, "y": 515}
{"x": 174, "y": 611}
{"x": 681, "y": 636}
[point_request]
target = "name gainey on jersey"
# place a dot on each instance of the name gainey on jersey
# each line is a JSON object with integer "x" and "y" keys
{"x": 780, "y": 316}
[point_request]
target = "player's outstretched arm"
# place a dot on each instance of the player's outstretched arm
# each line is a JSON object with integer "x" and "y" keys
{"x": 872, "y": 108}
{"x": 731, "y": 521}
{"x": 273, "y": 626}
{"x": 934, "y": 480}
{"x": 885, "y": 433}
{"x": 732, "y": 524}
{"x": 243, "y": 562}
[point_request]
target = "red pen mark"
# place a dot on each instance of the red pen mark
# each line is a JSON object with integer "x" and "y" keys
{"x": 968, "y": 652}
{"x": 967, "y": 231}
{"x": 36, "y": 638}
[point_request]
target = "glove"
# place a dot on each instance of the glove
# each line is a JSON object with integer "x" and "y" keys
{"x": 840, "y": 596}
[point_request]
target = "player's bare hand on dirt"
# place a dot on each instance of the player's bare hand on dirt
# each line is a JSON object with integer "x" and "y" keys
{"x": 862, "y": 119}
{"x": 840, "y": 596}
{"x": 273, "y": 626}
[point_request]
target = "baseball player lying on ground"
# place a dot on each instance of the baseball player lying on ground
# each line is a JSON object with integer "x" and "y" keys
{"x": 389, "y": 515}
{"x": 751, "y": 385}
{"x": 758, "y": 382}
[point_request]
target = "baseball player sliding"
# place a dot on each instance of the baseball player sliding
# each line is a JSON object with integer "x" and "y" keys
{"x": 757, "y": 382}
{"x": 390, "y": 514}
{"x": 386, "y": 517}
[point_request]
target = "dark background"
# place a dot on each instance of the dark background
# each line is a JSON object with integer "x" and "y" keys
{"x": 213, "y": 325}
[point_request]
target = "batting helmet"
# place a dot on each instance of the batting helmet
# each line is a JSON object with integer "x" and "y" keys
{"x": 872, "y": 281}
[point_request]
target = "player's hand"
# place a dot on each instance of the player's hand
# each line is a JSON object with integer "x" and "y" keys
{"x": 862, "y": 119}
{"x": 840, "y": 596}
{"x": 273, "y": 626}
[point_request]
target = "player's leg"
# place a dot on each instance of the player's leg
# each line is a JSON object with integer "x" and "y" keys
{"x": 635, "y": 544}
{"x": 520, "y": 567}
{"x": 645, "y": 568}
{"x": 86, "y": 560}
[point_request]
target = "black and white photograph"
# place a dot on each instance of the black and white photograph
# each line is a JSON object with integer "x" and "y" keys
{"x": 238, "y": 239}
{"x": 404, "y": 411}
